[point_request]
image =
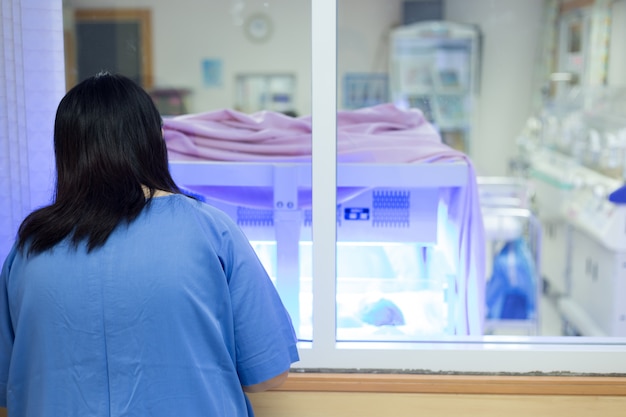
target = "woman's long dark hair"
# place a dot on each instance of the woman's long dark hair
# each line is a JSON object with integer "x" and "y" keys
{"x": 108, "y": 144}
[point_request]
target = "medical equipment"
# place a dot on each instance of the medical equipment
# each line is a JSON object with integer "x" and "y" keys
{"x": 400, "y": 205}
{"x": 513, "y": 234}
{"x": 579, "y": 162}
{"x": 596, "y": 303}
{"x": 407, "y": 215}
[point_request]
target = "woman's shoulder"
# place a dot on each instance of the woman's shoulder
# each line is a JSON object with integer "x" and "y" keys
{"x": 191, "y": 208}
{"x": 7, "y": 262}
{"x": 196, "y": 220}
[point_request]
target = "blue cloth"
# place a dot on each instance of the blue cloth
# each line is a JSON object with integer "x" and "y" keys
{"x": 512, "y": 288}
{"x": 169, "y": 318}
{"x": 618, "y": 196}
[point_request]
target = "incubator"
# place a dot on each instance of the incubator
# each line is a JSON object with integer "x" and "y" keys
{"x": 409, "y": 236}
{"x": 394, "y": 282}
{"x": 577, "y": 160}
{"x": 513, "y": 237}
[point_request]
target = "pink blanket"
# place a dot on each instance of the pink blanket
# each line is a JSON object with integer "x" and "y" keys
{"x": 380, "y": 134}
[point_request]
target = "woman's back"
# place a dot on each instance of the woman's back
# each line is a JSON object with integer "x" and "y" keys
{"x": 163, "y": 319}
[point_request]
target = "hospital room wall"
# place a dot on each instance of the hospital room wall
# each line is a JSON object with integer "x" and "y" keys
{"x": 511, "y": 37}
{"x": 186, "y": 32}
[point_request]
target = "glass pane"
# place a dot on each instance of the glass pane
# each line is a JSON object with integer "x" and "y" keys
{"x": 219, "y": 73}
{"x": 395, "y": 281}
{"x": 537, "y": 122}
{"x": 385, "y": 292}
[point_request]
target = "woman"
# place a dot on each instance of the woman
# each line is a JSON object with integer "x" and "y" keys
{"x": 125, "y": 296}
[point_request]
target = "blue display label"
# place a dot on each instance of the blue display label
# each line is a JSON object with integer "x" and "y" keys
{"x": 356, "y": 213}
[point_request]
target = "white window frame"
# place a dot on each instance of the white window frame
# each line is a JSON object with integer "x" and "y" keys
{"x": 455, "y": 354}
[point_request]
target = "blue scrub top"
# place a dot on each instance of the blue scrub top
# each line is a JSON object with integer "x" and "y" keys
{"x": 169, "y": 318}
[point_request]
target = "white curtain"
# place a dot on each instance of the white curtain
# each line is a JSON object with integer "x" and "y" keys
{"x": 32, "y": 81}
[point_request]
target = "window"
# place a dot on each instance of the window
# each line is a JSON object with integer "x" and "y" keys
{"x": 329, "y": 341}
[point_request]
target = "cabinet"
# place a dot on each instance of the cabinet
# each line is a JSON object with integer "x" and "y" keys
{"x": 599, "y": 277}
{"x": 434, "y": 67}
